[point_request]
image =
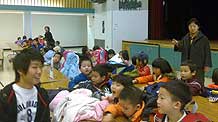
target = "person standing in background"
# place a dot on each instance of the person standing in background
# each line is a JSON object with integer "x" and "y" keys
{"x": 49, "y": 38}
{"x": 195, "y": 46}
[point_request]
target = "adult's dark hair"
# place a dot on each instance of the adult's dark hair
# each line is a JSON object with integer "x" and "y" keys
{"x": 193, "y": 20}
{"x": 190, "y": 64}
{"x": 163, "y": 65}
{"x": 124, "y": 54}
{"x": 84, "y": 58}
{"x": 47, "y": 28}
{"x": 100, "y": 69}
{"x": 23, "y": 59}
{"x": 215, "y": 76}
{"x": 132, "y": 94}
{"x": 123, "y": 79}
{"x": 179, "y": 91}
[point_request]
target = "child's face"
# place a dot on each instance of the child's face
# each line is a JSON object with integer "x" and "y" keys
{"x": 116, "y": 88}
{"x": 110, "y": 56}
{"x": 35, "y": 42}
{"x": 120, "y": 56}
{"x": 86, "y": 67}
{"x": 33, "y": 74}
{"x": 165, "y": 103}
{"x": 186, "y": 73}
{"x": 96, "y": 78}
{"x": 56, "y": 58}
{"x": 156, "y": 71}
{"x": 127, "y": 108}
{"x": 142, "y": 63}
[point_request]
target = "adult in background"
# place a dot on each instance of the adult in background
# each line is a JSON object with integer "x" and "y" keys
{"x": 195, "y": 46}
{"x": 49, "y": 38}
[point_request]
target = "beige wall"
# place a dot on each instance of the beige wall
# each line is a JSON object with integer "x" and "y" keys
{"x": 11, "y": 26}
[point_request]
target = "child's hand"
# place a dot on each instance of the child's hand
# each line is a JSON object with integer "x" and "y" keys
{"x": 134, "y": 81}
{"x": 108, "y": 118}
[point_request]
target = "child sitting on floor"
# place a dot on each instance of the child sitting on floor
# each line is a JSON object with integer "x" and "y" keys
{"x": 118, "y": 83}
{"x": 57, "y": 60}
{"x": 162, "y": 72}
{"x": 188, "y": 72}
{"x": 85, "y": 65}
{"x": 99, "y": 82}
{"x": 172, "y": 98}
{"x": 142, "y": 67}
{"x": 130, "y": 105}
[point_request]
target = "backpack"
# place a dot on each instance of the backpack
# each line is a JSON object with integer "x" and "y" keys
{"x": 150, "y": 98}
{"x": 71, "y": 66}
{"x": 99, "y": 56}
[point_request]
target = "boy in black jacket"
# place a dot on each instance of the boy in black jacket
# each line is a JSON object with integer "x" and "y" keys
{"x": 22, "y": 100}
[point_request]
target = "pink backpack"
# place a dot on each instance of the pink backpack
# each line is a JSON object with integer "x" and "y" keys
{"x": 99, "y": 56}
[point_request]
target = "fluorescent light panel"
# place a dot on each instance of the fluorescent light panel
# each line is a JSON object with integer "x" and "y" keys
{"x": 52, "y": 13}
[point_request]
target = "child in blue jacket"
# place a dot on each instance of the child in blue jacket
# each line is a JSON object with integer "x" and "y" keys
{"x": 85, "y": 65}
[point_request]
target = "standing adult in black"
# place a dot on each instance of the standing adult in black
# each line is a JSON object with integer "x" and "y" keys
{"x": 195, "y": 46}
{"x": 49, "y": 38}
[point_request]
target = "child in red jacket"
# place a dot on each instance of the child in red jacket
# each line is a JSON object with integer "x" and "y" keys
{"x": 142, "y": 67}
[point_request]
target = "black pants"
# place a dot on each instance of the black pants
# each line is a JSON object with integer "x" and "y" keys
{"x": 200, "y": 75}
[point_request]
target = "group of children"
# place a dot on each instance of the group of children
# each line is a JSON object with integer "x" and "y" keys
{"x": 24, "y": 100}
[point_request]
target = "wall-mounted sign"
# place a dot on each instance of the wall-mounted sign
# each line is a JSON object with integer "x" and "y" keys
{"x": 130, "y": 4}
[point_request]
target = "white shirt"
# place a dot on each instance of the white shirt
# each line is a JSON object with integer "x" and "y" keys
{"x": 183, "y": 116}
{"x": 26, "y": 103}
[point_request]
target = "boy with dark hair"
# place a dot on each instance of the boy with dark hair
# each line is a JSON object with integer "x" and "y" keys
{"x": 57, "y": 60}
{"x": 131, "y": 105}
{"x": 188, "y": 75}
{"x": 173, "y": 96}
{"x": 23, "y": 100}
{"x": 99, "y": 82}
{"x": 85, "y": 66}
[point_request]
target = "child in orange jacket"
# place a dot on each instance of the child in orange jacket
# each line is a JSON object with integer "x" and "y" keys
{"x": 130, "y": 106}
{"x": 162, "y": 72}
